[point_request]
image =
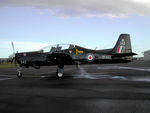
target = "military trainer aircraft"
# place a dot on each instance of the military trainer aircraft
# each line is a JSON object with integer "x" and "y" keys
{"x": 70, "y": 54}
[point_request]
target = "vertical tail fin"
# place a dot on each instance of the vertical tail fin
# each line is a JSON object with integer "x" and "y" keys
{"x": 123, "y": 45}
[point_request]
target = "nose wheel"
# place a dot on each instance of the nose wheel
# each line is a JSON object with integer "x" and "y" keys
{"x": 19, "y": 74}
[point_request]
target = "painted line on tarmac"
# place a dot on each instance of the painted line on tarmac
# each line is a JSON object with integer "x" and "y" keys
{"x": 6, "y": 77}
{"x": 125, "y": 68}
{"x": 82, "y": 73}
{"x": 43, "y": 75}
{"x": 1, "y": 79}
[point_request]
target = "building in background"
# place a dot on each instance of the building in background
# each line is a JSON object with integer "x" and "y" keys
{"x": 147, "y": 55}
{"x": 5, "y": 60}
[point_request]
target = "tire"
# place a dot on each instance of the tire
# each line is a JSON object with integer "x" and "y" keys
{"x": 59, "y": 74}
{"x": 19, "y": 74}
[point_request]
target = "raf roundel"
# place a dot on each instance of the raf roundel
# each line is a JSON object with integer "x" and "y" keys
{"x": 90, "y": 57}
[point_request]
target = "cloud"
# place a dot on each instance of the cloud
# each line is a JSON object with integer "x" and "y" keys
{"x": 22, "y": 46}
{"x": 75, "y": 8}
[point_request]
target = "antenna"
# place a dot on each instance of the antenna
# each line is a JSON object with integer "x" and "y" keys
{"x": 96, "y": 47}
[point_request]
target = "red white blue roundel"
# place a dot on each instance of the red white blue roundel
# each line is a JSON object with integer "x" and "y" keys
{"x": 90, "y": 57}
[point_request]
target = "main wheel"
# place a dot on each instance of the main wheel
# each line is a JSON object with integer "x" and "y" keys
{"x": 59, "y": 73}
{"x": 19, "y": 74}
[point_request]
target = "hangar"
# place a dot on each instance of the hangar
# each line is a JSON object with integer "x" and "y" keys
{"x": 147, "y": 55}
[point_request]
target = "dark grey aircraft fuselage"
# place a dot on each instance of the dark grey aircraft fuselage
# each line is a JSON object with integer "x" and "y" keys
{"x": 122, "y": 52}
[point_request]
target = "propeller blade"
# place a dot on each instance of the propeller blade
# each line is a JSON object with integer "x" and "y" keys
{"x": 13, "y": 48}
{"x": 14, "y": 60}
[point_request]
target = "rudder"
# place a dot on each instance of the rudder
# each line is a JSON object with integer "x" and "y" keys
{"x": 123, "y": 45}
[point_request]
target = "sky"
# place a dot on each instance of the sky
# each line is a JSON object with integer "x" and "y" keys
{"x": 32, "y": 25}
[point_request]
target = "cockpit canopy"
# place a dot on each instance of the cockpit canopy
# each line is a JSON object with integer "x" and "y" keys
{"x": 57, "y": 47}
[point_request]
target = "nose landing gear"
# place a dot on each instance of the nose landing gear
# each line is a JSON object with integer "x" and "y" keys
{"x": 60, "y": 71}
{"x": 19, "y": 73}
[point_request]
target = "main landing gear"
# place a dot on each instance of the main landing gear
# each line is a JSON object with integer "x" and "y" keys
{"x": 60, "y": 71}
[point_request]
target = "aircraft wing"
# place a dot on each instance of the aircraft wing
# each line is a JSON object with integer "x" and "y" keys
{"x": 62, "y": 58}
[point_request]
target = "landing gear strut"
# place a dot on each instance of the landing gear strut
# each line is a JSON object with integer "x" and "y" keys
{"x": 78, "y": 65}
{"x": 60, "y": 71}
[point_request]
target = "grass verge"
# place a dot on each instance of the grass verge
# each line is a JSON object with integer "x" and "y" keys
{"x": 7, "y": 66}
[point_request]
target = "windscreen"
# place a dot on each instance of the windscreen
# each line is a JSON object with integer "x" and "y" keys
{"x": 57, "y": 47}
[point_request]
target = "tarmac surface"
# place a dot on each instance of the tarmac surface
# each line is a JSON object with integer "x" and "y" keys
{"x": 105, "y": 88}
